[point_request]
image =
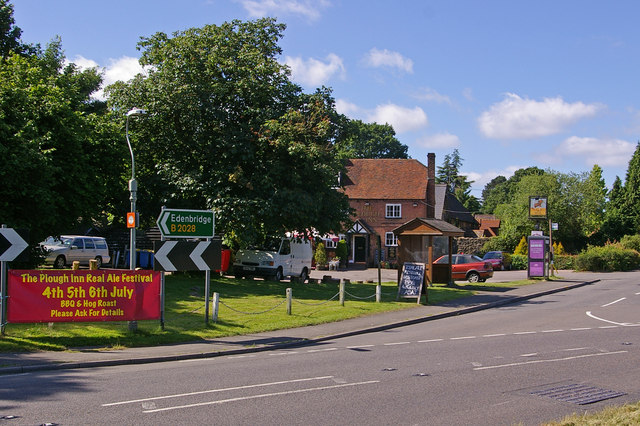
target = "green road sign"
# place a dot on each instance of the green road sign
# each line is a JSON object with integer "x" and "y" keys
{"x": 177, "y": 223}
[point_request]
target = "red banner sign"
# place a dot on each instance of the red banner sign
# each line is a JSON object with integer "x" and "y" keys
{"x": 87, "y": 295}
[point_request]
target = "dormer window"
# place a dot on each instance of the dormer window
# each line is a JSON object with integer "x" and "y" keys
{"x": 393, "y": 211}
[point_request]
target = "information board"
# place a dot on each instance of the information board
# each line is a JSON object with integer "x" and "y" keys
{"x": 412, "y": 280}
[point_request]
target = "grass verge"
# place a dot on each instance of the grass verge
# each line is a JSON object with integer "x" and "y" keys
{"x": 247, "y": 306}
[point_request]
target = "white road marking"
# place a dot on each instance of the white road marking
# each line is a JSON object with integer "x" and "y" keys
{"x": 538, "y": 361}
{"x": 430, "y": 340}
{"x": 180, "y": 395}
{"x": 616, "y": 324}
{"x": 530, "y": 355}
{"x": 494, "y": 335}
{"x": 265, "y": 395}
{"x": 397, "y": 343}
{"x": 551, "y": 331}
{"x": 615, "y": 301}
{"x": 573, "y": 349}
{"x": 463, "y": 338}
{"x": 322, "y": 350}
{"x": 283, "y": 353}
{"x": 520, "y": 333}
{"x": 581, "y": 329}
{"x": 360, "y": 346}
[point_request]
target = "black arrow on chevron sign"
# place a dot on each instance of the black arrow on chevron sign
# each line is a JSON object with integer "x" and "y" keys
{"x": 174, "y": 256}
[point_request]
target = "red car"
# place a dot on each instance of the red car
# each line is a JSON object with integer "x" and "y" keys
{"x": 468, "y": 267}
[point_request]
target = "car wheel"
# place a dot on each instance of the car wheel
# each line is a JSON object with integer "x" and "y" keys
{"x": 473, "y": 277}
{"x": 278, "y": 276}
{"x": 304, "y": 275}
{"x": 98, "y": 262}
{"x": 60, "y": 262}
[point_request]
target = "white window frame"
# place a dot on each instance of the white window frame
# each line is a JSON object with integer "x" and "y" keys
{"x": 330, "y": 244}
{"x": 393, "y": 211}
{"x": 390, "y": 237}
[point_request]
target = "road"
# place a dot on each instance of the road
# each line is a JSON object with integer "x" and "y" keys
{"x": 495, "y": 367}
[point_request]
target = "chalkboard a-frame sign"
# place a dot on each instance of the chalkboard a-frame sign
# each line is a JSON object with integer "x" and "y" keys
{"x": 411, "y": 281}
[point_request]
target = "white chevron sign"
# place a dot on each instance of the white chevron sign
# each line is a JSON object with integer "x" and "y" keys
{"x": 171, "y": 256}
{"x": 11, "y": 244}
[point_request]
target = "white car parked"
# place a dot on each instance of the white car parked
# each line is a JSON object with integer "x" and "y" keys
{"x": 66, "y": 249}
{"x": 281, "y": 258}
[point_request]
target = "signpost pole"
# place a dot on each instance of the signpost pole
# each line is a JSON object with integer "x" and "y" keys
{"x": 3, "y": 293}
{"x": 162, "y": 238}
{"x": 207, "y": 288}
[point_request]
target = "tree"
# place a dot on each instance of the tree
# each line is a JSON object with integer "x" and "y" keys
{"x": 368, "y": 140}
{"x": 494, "y": 193}
{"x": 228, "y": 130}
{"x": 53, "y": 168}
{"x": 631, "y": 205}
{"x": 449, "y": 172}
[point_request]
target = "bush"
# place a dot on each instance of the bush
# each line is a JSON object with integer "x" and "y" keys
{"x": 631, "y": 242}
{"x": 522, "y": 248}
{"x": 564, "y": 261}
{"x": 611, "y": 257}
{"x": 342, "y": 251}
{"x": 519, "y": 262}
{"x": 320, "y": 256}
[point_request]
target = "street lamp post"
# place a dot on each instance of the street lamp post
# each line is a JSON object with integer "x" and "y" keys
{"x": 133, "y": 189}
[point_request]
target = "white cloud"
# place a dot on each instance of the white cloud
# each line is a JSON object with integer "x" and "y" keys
{"x": 480, "y": 180}
{"x": 313, "y": 72}
{"x": 387, "y": 58}
{"x": 431, "y": 95}
{"x": 347, "y": 108}
{"x": 439, "y": 141}
{"x": 402, "y": 119}
{"x": 518, "y": 118}
{"x": 121, "y": 69}
{"x": 603, "y": 152}
{"x": 307, "y": 8}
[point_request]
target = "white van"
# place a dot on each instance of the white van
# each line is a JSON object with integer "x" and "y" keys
{"x": 279, "y": 259}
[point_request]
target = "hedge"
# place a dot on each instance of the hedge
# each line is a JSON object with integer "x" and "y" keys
{"x": 611, "y": 257}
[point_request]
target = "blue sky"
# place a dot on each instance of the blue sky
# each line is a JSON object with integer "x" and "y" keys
{"x": 510, "y": 84}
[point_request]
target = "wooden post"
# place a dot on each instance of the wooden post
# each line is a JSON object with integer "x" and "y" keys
{"x": 216, "y": 306}
{"x": 341, "y": 293}
{"x": 289, "y": 297}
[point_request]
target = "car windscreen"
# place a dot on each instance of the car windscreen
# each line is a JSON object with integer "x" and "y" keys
{"x": 493, "y": 255}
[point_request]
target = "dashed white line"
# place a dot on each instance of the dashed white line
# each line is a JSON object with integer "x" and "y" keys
{"x": 615, "y": 301}
{"x": 360, "y": 346}
{"x": 551, "y": 331}
{"x": 283, "y": 353}
{"x": 322, "y": 350}
{"x": 495, "y": 335}
{"x": 520, "y": 333}
{"x": 463, "y": 338}
{"x": 430, "y": 340}
{"x": 581, "y": 329}
{"x": 397, "y": 343}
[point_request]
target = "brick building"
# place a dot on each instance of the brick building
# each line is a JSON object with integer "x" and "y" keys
{"x": 386, "y": 193}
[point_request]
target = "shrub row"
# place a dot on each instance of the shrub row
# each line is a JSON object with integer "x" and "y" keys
{"x": 611, "y": 257}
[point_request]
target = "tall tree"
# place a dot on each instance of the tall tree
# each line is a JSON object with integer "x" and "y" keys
{"x": 228, "y": 130}
{"x": 52, "y": 168}
{"x": 495, "y": 192}
{"x": 449, "y": 172}
{"x": 368, "y": 140}
{"x": 632, "y": 189}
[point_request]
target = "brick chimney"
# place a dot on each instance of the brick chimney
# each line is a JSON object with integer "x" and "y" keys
{"x": 431, "y": 185}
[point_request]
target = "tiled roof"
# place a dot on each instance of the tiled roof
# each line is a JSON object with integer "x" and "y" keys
{"x": 380, "y": 179}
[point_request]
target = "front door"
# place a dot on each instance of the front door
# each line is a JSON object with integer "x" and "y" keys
{"x": 359, "y": 248}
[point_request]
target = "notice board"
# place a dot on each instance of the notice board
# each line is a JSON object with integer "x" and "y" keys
{"x": 412, "y": 280}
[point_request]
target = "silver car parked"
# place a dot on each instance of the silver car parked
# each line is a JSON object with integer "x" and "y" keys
{"x": 66, "y": 249}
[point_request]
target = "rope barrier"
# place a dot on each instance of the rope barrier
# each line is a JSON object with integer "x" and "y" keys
{"x": 252, "y": 313}
{"x": 317, "y": 304}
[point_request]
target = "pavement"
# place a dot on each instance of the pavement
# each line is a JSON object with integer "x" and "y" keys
{"x": 16, "y": 363}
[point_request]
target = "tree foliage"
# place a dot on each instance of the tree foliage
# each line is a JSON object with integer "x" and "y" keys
{"x": 368, "y": 140}
{"x": 457, "y": 184}
{"x": 50, "y": 133}
{"x": 228, "y": 130}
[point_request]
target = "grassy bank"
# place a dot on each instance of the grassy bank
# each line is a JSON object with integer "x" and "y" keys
{"x": 247, "y": 306}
